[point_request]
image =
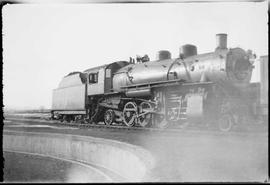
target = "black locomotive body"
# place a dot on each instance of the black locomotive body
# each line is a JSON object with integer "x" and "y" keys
{"x": 212, "y": 89}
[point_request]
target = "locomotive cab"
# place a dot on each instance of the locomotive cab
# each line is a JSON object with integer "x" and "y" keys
{"x": 100, "y": 78}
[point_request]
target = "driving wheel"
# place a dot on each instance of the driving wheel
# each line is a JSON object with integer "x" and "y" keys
{"x": 160, "y": 121}
{"x": 145, "y": 116}
{"x": 225, "y": 123}
{"x": 130, "y": 114}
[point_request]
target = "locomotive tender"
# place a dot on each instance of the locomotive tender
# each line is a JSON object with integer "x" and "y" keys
{"x": 212, "y": 88}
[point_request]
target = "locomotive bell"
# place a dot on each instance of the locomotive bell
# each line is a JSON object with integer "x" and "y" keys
{"x": 221, "y": 40}
{"x": 163, "y": 55}
{"x": 188, "y": 50}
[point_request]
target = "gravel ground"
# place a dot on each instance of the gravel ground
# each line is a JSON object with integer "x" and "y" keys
{"x": 186, "y": 157}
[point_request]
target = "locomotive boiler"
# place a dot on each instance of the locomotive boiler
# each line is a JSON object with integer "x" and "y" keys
{"x": 211, "y": 89}
{"x": 229, "y": 66}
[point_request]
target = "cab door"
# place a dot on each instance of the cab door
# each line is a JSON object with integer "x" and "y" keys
{"x": 96, "y": 83}
{"x": 108, "y": 81}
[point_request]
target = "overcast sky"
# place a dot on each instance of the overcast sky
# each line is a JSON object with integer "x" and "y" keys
{"x": 42, "y": 43}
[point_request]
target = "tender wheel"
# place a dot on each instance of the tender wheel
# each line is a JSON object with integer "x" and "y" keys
{"x": 130, "y": 114}
{"x": 146, "y": 117}
{"x": 61, "y": 118}
{"x": 225, "y": 123}
{"x": 53, "y": 116}
{"x": 79, "y": 119}
{"x": 56, "y": 116}
{"x": 109, "y": 117}
{"x": 160, "y": 121}
{"x": 66, "y": 118}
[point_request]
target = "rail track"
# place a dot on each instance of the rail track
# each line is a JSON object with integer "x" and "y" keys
{"x": 262, "y": 128}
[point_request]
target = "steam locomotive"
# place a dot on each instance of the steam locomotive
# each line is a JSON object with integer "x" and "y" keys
{"x": 211, "y": 89}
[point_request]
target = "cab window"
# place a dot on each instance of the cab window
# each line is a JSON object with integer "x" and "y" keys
{"x": 93, "y": 77}
{"x": 108, "y": 73}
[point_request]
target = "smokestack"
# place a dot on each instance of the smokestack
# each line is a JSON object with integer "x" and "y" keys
{"x": 221, "y": 41}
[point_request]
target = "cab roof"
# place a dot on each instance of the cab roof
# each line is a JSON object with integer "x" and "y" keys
{"x": 96, "y": 69}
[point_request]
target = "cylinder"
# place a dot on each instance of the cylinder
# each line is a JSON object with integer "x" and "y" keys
{"x": 138, "y": 93}
{"x": 188, "y": 50}
{"x": 221, "y": 39}
{"x": 163, "y": 55}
